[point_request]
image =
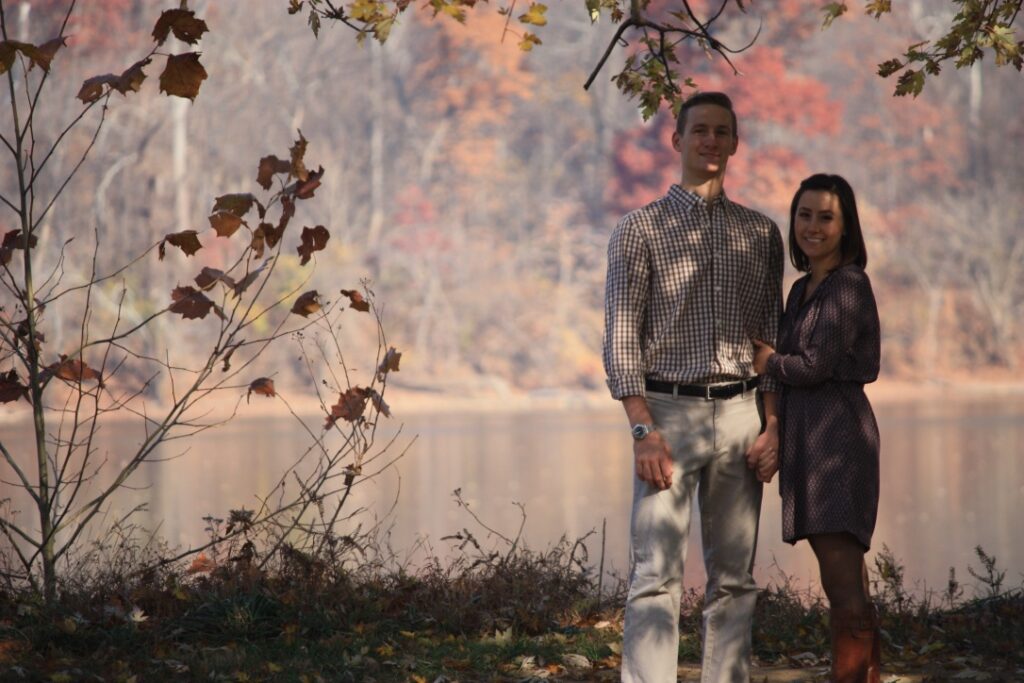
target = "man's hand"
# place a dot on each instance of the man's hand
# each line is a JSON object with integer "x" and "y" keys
{"x": 762, "y": 352}
{"x": 653, "y": 460}
{"x": 763, "y": 455}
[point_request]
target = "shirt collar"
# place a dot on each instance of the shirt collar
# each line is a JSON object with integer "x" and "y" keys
{"x": 689, "y": 200}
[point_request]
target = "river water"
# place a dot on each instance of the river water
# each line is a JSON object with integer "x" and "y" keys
{"x": 952, "y": 479}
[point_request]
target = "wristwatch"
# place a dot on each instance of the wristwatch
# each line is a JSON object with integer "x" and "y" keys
{"x": 641, "y": 430}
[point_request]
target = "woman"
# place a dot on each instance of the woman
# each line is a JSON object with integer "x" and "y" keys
{"x": 828, "y": 349}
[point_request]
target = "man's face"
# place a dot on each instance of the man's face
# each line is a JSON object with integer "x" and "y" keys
{"x": 707, "y": 141}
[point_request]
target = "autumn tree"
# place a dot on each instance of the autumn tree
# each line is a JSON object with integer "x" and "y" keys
{"x": 71, "y": 385}
{"x": 664, "y": 33}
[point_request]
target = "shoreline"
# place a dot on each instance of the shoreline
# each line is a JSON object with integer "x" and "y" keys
{"x": 479, "y": 398}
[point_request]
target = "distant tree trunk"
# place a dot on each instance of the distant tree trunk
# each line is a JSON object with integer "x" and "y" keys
{"x": 978, "y": 168}
{"x": 376, "y": 147}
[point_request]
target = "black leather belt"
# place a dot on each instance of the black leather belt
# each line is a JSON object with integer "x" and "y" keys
{"x": 703, "y": 390}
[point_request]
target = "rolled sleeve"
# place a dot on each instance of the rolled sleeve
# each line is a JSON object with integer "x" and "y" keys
{"x": 626, "y": 290}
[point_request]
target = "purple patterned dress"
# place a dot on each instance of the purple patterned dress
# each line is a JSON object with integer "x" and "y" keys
{"x": 828, "y": 349}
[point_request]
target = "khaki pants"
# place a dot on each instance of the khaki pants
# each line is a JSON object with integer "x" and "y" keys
{"x": 708, "y": 441}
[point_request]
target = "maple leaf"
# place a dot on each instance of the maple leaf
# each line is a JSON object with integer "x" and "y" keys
{"x": 294, "y": 6}
{"x": 225, "y": 223}
{"x": 208, "y": 277}
{"x": 183, "y": 23}
{"x": 191, "y": 303}
{"x": 249, "y": 278}
{"x": 8, "y": 52}
{"x": 356, "y": 300}
{"x": 528, "y": 41}
{"x": 92, "y": 88}
{"x": 389, "y": 363}
{"x": 350, "y": 406}
{"x": 313, "y": 239}
{"x": 304, "y": 189}
{"x": 48, "y": 50}
{"x": 238, "y": 204}
{"x": 264, "y": 386}
{"x": 74, "y": 370}
{"x": 269, "y": 165}
{"x": 307, "y": 303}
{"x": 14, "y": 240}
{"x": 183, "y": 75}
{"x": 833, "y": 11}
{"x": 186, "y": 240}
{"x": 11, "y": 388}
{"x": 37, "y": 56}
{"x": 535, "y": 15}
{"x": 298, "y": 151}
{"x": 131, "y": 78}
{"x": 201, "y": 564}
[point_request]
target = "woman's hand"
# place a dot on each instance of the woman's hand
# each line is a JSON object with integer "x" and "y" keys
{"x": 761, "y": 353}
{"x": 763, "y": 454}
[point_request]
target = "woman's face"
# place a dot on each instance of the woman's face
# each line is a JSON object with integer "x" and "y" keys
{"x": 818, "y": 227}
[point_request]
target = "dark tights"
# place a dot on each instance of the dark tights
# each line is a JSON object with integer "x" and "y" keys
{"x": 844, "y": 576}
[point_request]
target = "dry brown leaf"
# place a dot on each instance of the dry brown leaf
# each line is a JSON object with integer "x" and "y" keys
{"x": 264, "y": 386}
{"x": 378, "y": 403}
{"x": 350, "y": 406}
{"x": 183, "y": 23}
{"x": 298, "y": 151}
{"x": 74, "y": 370}
{"x": 313, "y": 239}
{"x": 269, "y": 166}
{"x": 389, "y": 363}
{"x": 11, "y": 388}
{"x": 356, "y": 300}
{"x": 186, "y": 240}
{"x": 307, "y": 303}
{"x": 191, "y": 303}
{"x": 225, "y": 223}
{"x": 208, "y": 277}
{"x": 238, "y": 204}
{"x": 183, "y": 75}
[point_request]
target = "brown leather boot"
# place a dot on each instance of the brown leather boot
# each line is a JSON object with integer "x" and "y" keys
{"x": 854, "y": 650}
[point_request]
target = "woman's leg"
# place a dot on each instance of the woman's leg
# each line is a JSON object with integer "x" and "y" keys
{"x": 855, "y": 656}
{"x": 841, "y": 562}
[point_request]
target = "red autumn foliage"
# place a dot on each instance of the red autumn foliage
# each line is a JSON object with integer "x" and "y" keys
{"x": 264, "y": 386}
{"x": 350, "y": 406}
{"x": 356, "y": 300}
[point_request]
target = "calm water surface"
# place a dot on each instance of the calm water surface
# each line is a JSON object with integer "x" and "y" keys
{"x": 952, "y": 479}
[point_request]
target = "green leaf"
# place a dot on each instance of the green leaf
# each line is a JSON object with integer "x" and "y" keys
{"x": 833, "y": 11}
{"x": 877, "y": 8}
{"x": 528, "y": 41}
{"x": 911, "y": 82}
{"x": 535, "y": 15}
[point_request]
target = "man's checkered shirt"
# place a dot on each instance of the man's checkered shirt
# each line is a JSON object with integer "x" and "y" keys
{"x": 690, "y": 285}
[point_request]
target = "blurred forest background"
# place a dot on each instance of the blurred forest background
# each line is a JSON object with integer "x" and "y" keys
{"x": 476, "y": 185}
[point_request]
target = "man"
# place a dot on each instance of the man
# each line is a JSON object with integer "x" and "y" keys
{"x": 693, "y": 279}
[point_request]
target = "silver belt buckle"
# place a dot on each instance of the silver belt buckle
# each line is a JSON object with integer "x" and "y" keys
{"x": 707, "y": 392}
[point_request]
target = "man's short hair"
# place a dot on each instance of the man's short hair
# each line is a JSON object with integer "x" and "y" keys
{"x": 717, "y": 98}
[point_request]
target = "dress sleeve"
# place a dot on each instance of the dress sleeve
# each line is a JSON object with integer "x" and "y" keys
{"x": 625, "y": 306}
{"x": 772, "y": 309}
{"x": 843, "y": 303}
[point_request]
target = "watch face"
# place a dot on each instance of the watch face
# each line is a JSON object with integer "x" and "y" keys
{"x": 640, "y": 431}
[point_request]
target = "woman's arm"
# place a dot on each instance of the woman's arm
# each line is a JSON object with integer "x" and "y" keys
{"x": 841, "y": 306}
